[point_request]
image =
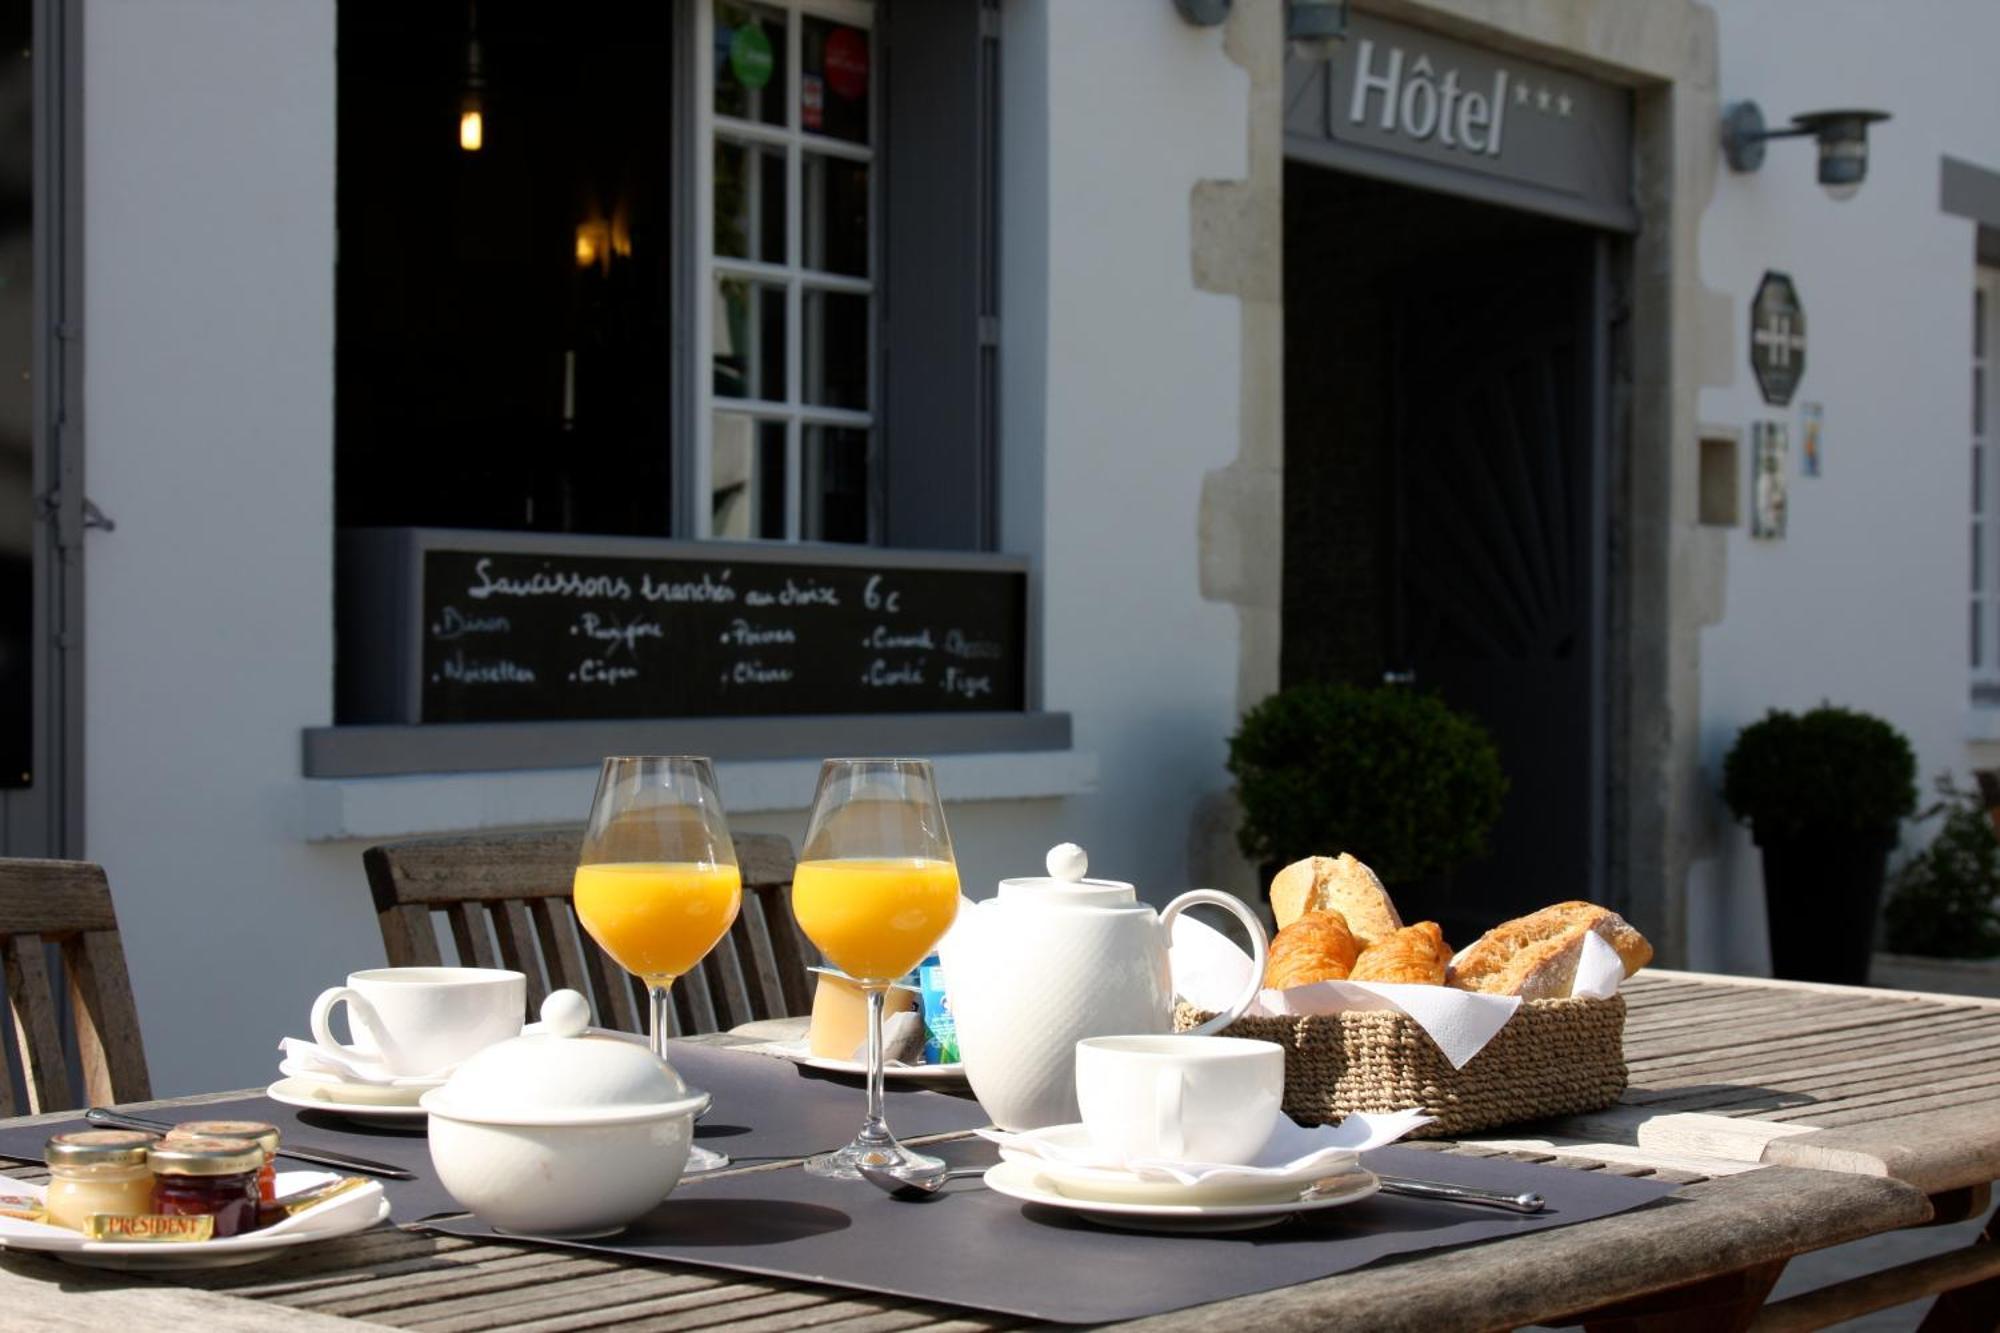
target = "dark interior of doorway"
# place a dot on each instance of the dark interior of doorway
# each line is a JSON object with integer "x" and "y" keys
{"x": 1443, "y": 508}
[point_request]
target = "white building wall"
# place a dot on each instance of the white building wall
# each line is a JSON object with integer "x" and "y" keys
{"x": 209, "y": 250}
{"x": 1864, "y": 601}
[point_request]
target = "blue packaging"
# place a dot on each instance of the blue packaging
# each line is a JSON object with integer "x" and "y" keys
{"x": 940, "y": 1028}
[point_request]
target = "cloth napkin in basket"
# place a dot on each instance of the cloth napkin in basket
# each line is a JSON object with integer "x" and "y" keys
{"x": 1292, "y": 1151}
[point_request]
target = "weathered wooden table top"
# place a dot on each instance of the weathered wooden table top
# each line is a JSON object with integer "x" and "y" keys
{"x": 1792, "y": 1118}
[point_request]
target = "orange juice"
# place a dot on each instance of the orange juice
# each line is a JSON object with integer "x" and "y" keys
{"x": 875, "y": 919}
{"x": 657, "y": 918}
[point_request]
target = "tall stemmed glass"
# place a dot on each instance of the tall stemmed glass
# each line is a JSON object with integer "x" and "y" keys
{"x": 657, "y": 884}
{"x": 875, "y": 889}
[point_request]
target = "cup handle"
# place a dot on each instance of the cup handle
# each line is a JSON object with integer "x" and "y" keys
{"x": 358, "y": 1011}
{"x": 1169, "y": 1137}
{"x": 1259, "y": 945}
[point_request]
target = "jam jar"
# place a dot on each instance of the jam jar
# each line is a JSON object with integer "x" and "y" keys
{"x": 213, "y": 1176}
{"x": 263, "y": 1135}
{"x": 98, "y": 1172}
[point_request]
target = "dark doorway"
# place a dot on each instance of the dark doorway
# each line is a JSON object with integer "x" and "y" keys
{"x": 1444, "y": 385}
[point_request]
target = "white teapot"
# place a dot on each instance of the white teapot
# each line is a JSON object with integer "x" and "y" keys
{"x": 1053, "y": 960}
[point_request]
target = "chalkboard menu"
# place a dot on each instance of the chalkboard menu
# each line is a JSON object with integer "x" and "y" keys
{"x": 519, "y": 628}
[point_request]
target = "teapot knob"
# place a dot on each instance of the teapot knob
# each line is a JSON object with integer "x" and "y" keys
{"x": 565, "y": 1013}
{"x": 1067, "y": 861}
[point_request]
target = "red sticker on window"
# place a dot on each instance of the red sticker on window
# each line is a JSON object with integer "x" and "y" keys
{"x": 847, "y": 62}
{"x": 812, "y": 102}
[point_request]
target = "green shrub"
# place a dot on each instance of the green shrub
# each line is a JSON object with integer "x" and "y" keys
{"x": 1391, "y": 775}
{"x": 1826, "y": 771}
{"x": 1946, "y": 901}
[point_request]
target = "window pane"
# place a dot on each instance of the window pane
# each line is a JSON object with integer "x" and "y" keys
{"x": 1979, "y": 321}
{"x": 1975, "y": 634}
{"x": 837, "y": 493}
{"x": 749, "y": 62}
{"x": 746, "y": 478}
{"x": 749, "y": 339}
{"x": 834, "y": 80}
{"x": 1979, "y": 400}
{"x": 503, "y": 317}
{"x": 1977, "y": 584}
{"x": 836, "y": 349}
{"x": 1978, "y": 478}
{"x": 749, "y": 202}
{"x": 836, "y": 215}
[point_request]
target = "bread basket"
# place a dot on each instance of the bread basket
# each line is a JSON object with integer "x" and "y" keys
{"x": 1553, "y": 1057}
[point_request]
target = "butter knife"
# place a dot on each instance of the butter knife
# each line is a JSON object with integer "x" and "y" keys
{"x": 98, "y": 1115}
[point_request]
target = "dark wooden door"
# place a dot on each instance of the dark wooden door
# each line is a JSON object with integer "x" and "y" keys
{"x": 1498, "y": 569}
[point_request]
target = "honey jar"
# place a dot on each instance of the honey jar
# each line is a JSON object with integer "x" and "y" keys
{"x": 98, "y": 1171}
{"x": 214, "y": 1176}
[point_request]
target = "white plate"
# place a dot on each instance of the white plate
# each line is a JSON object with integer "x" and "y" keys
{"x": 1111, "y": 1185}
{"x": 161, "y": 1257}
{"x": 938, "y": 1076}
{"x": 314, "y": 1095}
{"x": 1024, "y": 1181}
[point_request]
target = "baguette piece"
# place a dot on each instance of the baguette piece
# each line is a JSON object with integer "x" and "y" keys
{"x": 1414, "y": 955}
{"x": 1335, "y": 884}
{"x": 1486, "y": 965}
{"x": 1544, "y": 970}
{"x": 1316, "y": 947}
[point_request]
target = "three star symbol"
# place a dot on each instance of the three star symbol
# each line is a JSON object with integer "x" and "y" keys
{"x": 1544, "y": 98}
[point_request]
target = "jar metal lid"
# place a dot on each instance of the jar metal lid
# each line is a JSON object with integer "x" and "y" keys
{"x": 263, "y": 1135}
{"x": 100, "y": 1147}
{"x": 206, "y": 1157}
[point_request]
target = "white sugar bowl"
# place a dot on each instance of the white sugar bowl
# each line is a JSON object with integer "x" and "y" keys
{"x": 561, "y": 1134}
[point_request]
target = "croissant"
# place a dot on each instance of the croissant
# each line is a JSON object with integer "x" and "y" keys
{"x": 1316, "y": 947}
{"x": 1415, "y": 954}
{"x": 1493, "y": 963}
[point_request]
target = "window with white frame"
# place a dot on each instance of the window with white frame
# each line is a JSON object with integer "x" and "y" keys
{"x": 786, "y": 260}
{"x": 1984, "y": 630}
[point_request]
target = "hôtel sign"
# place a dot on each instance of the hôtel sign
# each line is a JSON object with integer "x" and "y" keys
{"x": 1406, "y": 104}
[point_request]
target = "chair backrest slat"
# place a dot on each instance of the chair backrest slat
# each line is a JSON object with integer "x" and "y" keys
{"x": 524, "y": 881}
{"x": 67, "y": 904}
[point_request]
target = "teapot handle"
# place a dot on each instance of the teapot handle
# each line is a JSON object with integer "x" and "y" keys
{"x": 1258, "y": 946}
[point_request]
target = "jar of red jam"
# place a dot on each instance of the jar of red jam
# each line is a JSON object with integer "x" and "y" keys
{"x": 218, "y": 1177}
{"x": 263, "y": 1135}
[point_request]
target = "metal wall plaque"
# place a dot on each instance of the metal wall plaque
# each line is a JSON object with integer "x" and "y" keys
{"x": 1408, "y": 105}
{"x": 1777, "y": 338}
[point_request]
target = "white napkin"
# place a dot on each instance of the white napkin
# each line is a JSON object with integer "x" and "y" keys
{"x": 308, "y": 1059}
{"x": 1292, "y": 1151}
{"x": 1209, "y": 972}
{"x": 335, "y": 1213}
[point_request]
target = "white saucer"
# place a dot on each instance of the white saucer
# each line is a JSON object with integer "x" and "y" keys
{"x": 312, "y": 1094}
{"x": 935, "y": 1076}
{"x": 157, "y": 1257}
{"x": 1026, "y": 1182}
{"x": 1103, "y": 1184}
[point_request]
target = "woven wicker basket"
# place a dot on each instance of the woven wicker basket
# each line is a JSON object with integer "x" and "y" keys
{"x": 1554, "y": 1057}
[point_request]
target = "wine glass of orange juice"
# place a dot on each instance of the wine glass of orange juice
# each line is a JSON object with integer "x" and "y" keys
{"x": 875, "y": 889}
{"x": 657, "y": 884}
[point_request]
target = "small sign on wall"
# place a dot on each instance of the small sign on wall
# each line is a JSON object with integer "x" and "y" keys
{"x": 1809, "y": 439}
{"x": 1777, "y": 338}
{"x": 1768, "y": 446}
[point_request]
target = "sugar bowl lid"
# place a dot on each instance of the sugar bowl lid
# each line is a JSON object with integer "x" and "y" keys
{"x": 561, "y": 1076}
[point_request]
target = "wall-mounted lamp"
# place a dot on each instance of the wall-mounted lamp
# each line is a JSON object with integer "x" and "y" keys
{"x": 1313, "y": 28}
{"x": 472, "y": 108}
{"x": 1842, "y": 136}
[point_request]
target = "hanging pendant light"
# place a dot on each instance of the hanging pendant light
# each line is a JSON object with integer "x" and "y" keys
{"x": 472, "y": 108}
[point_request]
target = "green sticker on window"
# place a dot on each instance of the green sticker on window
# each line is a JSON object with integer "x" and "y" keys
{"x": 750, "y": 56}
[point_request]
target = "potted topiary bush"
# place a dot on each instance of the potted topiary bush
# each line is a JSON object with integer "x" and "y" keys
{"x": 1946, "y": 902}
{"x": 1392, "y": 775}
{"x": 1824, "y": 793}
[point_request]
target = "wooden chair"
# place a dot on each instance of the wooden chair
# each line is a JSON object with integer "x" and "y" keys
{"x": 512, "y": 890}
{"x": 67, "y": 904}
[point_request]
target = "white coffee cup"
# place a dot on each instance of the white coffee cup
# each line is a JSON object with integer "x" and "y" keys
{"x": 1181, "y": 1098}
{"x": 416, "y": 1021}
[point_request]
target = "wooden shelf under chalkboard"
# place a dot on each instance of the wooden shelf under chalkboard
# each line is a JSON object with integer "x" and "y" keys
{"x": 451, "y": 626}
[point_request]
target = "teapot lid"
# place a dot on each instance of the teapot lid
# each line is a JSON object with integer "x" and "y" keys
{"x": 563, "y": 1076}
{"x": 1066, "y": 885}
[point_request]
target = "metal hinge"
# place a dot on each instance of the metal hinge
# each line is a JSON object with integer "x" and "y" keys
{"x": 48, "y": 507}
{"x": 989, "y": 330}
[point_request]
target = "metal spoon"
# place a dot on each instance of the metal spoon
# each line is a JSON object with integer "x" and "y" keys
{"x": 1437, "y": 1189}
{"x": 917, "y": 1186}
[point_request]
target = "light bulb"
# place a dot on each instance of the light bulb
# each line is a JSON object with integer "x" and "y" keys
{"x": 471, "y": 130}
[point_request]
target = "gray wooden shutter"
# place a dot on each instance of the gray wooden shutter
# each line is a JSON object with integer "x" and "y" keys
{"x": 940, "y": 247}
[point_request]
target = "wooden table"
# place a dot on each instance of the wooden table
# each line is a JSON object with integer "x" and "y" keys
{"x": 1792, "y": 1117}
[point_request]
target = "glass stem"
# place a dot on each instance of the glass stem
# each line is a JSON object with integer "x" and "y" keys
{"x": 873, "y": 1129}
{"x": 659, "y": 993}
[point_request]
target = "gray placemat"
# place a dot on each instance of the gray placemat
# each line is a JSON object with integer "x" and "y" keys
{"x": 972, "y": 1247}
{"x": 765, "y": 1109}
